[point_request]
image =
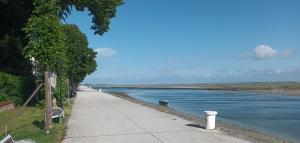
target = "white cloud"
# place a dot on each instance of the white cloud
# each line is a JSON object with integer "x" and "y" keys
{"x": 265, "y": 52}
{"x": 105, "y": 53}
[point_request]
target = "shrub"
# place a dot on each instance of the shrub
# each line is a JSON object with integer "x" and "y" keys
{"x": 14, "y": 88}
{"x": 10, "y": 87}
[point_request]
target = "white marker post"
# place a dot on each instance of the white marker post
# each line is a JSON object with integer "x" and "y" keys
{"x": 210, "y": 119}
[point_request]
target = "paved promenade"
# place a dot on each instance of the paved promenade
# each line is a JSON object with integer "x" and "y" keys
{"x": 102, "y": 118}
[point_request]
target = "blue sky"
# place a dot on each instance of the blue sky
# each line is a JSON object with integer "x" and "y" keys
{"x": 196, "y": 41}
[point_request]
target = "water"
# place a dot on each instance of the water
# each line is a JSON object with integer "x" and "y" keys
{"x": 272, "y": 114}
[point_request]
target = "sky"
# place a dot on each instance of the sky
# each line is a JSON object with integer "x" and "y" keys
{"x": 197, "y": 41}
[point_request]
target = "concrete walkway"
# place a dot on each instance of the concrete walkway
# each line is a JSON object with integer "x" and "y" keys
{"x": 102, "y": 118}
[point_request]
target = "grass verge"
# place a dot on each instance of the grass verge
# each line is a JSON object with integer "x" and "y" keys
{"x": 31, "y": 123}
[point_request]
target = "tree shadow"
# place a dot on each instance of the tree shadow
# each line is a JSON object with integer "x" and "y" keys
{"x": 195, "y": 126}
{"x": 39, "y": 124}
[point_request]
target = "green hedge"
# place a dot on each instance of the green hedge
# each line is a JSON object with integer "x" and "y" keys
{"x": 14, "y": 88}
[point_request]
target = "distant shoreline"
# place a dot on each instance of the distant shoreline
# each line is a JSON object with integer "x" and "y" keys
{"x": 277, "y": 88}
{"x": 232, "y": 130}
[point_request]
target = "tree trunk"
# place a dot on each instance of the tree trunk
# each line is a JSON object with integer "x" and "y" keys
{"x": 48, "y": 114}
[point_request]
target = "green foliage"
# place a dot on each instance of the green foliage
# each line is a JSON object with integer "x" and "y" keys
{"x": 11, "y": 88}
{"x": 15, "y": 88}
{"x": 58, "y": 48}
{"x": 46, "y": 39}
{"x": 41, "y": 104}
{"x": 46, "y": 7}
{"x": 101, "y": 10}
{"x": 81, "y": 58}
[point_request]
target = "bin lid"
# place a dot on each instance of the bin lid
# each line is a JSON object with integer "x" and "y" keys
{"x": 211, "y": 113}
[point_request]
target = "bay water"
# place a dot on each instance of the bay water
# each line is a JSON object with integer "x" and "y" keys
{"x": 278, "y": 115}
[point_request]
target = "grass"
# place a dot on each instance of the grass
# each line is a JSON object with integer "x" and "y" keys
{"x": 30, "y": 125}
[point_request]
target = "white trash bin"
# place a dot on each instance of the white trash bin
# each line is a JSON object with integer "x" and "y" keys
{"x": 210, "y": 119}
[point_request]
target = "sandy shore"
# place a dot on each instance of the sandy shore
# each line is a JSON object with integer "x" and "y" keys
{"x": 279, "y": 92}
{"x": 232, "y": 130}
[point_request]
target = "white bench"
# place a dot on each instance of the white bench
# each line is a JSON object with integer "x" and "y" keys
{"x": 9, "y": 139}
{"x": 58, "y": 113}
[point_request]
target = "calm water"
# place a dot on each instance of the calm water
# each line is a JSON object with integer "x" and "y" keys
{"x": 272, "y": 114}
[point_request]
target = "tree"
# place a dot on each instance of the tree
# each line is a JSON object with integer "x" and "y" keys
{"x": 81, "y": 58}
{"x": 14, "y": 14}
{"x": 34, "y": 22}
{"x": 46, "y": 43}
{"x": 46, "y": 40}
{"x": 101, "y": 10}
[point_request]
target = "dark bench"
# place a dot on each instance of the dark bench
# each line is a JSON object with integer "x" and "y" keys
{"x": 58, "y": 113}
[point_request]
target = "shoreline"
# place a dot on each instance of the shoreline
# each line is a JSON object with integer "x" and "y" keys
{"x": 284, "y": 92}
{"x": 232, "y": 130}
{"x": 280, "y": 88}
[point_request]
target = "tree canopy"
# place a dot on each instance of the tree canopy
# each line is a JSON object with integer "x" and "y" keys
{"x": 33, "y": 29}
{"x": 101, "y": 10}
{"x": 81, "y": 58}
{"x": 14, "y": 14}
{"x": 46, "y": 40}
